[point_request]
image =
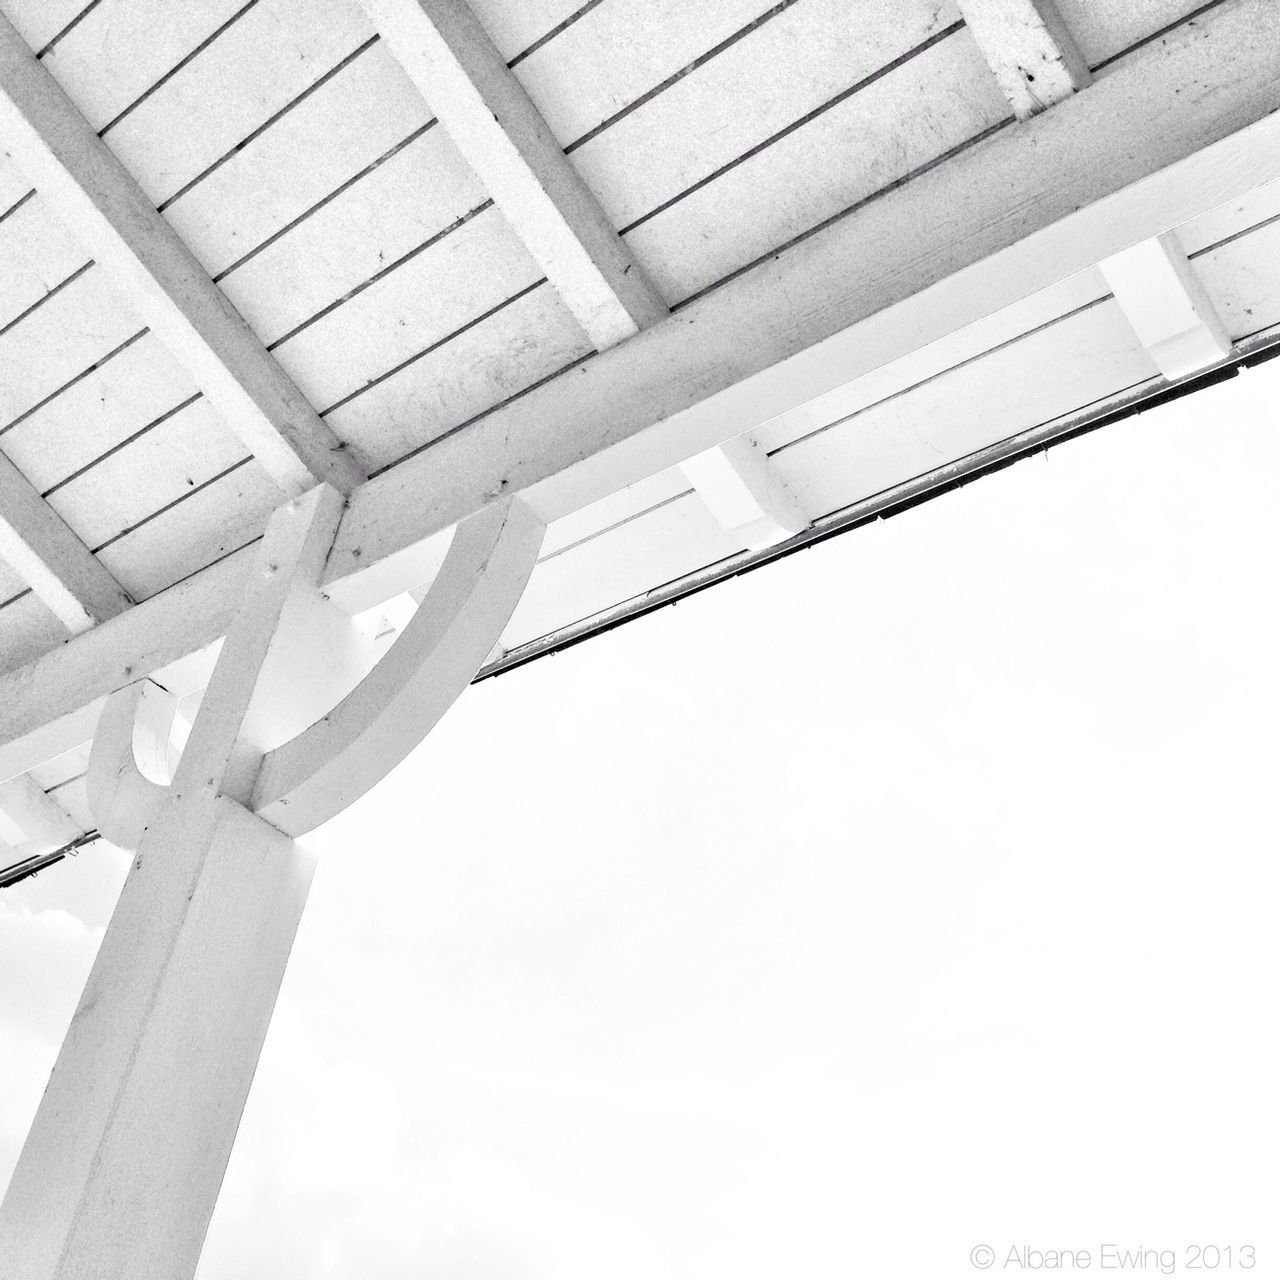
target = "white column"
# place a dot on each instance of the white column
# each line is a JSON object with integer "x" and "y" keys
{"x": 122, "y": 1167}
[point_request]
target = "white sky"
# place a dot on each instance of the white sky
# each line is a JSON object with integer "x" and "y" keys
{"x": 915, "y": 892}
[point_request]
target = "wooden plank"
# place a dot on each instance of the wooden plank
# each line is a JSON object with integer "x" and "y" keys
{"x": 359, "y": 115}
{"x": 1030, "y": 50}
{"x": 495, "y": 126}
{"x": 529, "y": 340}
{"x": 207, "y": 525}
{"x": 163, "y": 466}
{"x": 107, "y": 61}
{"x": 110, "y": 215}
{"x": 277, "y": 51}
{"x": 639, "y": 45}
{"x": 1092, "y": 354}
{"x": 468, "y": 272}
{"x": 515, "y": 25}
{"x": 966, "y": 344}
{"x": 93, "y": 415}
{"x": 892, "y": 128}
{"x": 71, "y": 332}
{"x": 47, "y": 555}
{"x": 1105, "y": 28}
{"x": 36, "y": 256}
{"x": 1231, "y": 219}
{"x": 1176, "y": 130}
{"x": 41, "y": 20}
{"x": 329, "y": 259}
{"x": 754, "y": 89}
{"x": 1242, "y": 280}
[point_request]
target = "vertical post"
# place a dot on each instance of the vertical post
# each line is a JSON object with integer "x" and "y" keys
{"x": 121, "y": 1170}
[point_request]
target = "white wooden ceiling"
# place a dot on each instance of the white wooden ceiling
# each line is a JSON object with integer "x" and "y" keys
{"x": 284, "y": 144}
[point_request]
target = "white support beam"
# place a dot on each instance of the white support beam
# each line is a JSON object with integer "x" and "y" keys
{"x": 744, "y": 492}
{"x": 1029, "y": 49}
{"x": 1166, "y": 303}
{"x": 1169, "y": 134}
{"x": 103, "y": 206}
{"x": 32, "y": 819}
{"x": 503, "y": 137}
{"x": 51, "y": 560}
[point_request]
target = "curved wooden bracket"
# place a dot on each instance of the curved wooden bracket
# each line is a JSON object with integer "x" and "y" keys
{"x": 325, "y": 768}
{"x": 129, "y": 764}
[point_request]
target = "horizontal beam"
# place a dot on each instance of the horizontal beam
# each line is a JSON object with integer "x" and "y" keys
{"x": 1178, "y": 128}
{"x": 62, "y": 572}
{"x": 503, "y": 137}
{"x": 159, "y": 277}
{"x": 1170, "y": 133}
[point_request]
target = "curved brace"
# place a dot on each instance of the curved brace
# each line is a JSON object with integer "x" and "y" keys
{"x": 325, "y": 768}
{"x": 129, "y": 759}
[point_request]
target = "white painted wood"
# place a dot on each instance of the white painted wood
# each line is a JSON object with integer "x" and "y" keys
{"x": 471, "y": 270}
{"x": 1105, "y": 28}
{"x": 524, "y": 342}
{"x": 120, "y": 50}
{"x": 276, "y": 51}
{"x": 322, "y": 771}
{"x": 211, "y": 523}
{"x": 889, "y": 129}
{"x": 1165, "y": 302}
{"x": 56, "y": 565}
{"x": 32, "y": 821}
{"x": 1169, "y": 134}
{"x": 361, "y": 114}
{"x": 755, "y": 89}
{"x": 122, "y": 1166}
{"x": 514, "y": 25}
{"x": 1093, "y": 353}
{"x": 957, "y": 245}
{"x": 36, "y": 255}
{"x": 1231, "y": 219}
{"x": 493, "y": 123}
{"x": 123, "y": 797}
{"x": 640, "y": 46}
{"x": 109, "y": 214}
{"x": 94, "y": 415}
{"x": 1030, "y": 51}
{"x": 288, "y": 654}
{"x": 1243, "y": 281}
{"x": 744, "y": 492}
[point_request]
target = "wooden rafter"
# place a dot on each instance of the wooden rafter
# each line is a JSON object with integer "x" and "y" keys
{"x": 103, "y": 206}
{"x": 502, "y": 135}
{"x": 1171, "y": 133}
{"x": 51, "y": 560}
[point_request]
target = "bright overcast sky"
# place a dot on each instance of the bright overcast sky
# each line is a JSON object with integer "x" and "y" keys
{"x": 916, "y": 892}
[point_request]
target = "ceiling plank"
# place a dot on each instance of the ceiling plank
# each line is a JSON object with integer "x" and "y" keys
{"x": 1030, "y": 50}
{"x": 51, "y": 560}
{"x": 503, "y": 137}
{"x": 1171, "y": 133}
{"x": 102, "y": 205}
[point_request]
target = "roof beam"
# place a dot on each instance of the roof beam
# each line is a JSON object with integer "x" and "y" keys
{"x": 1029, "y": 49}
{"x": 1166, "y": 303}
{"x": 103, "y": 206}
{"x": 503, "y": 137}
{"x": 744, "y": 492}
{"x": 1170, "y": 133}
{"x": 51, "y": 560}
{"x": 32, "y": 820}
